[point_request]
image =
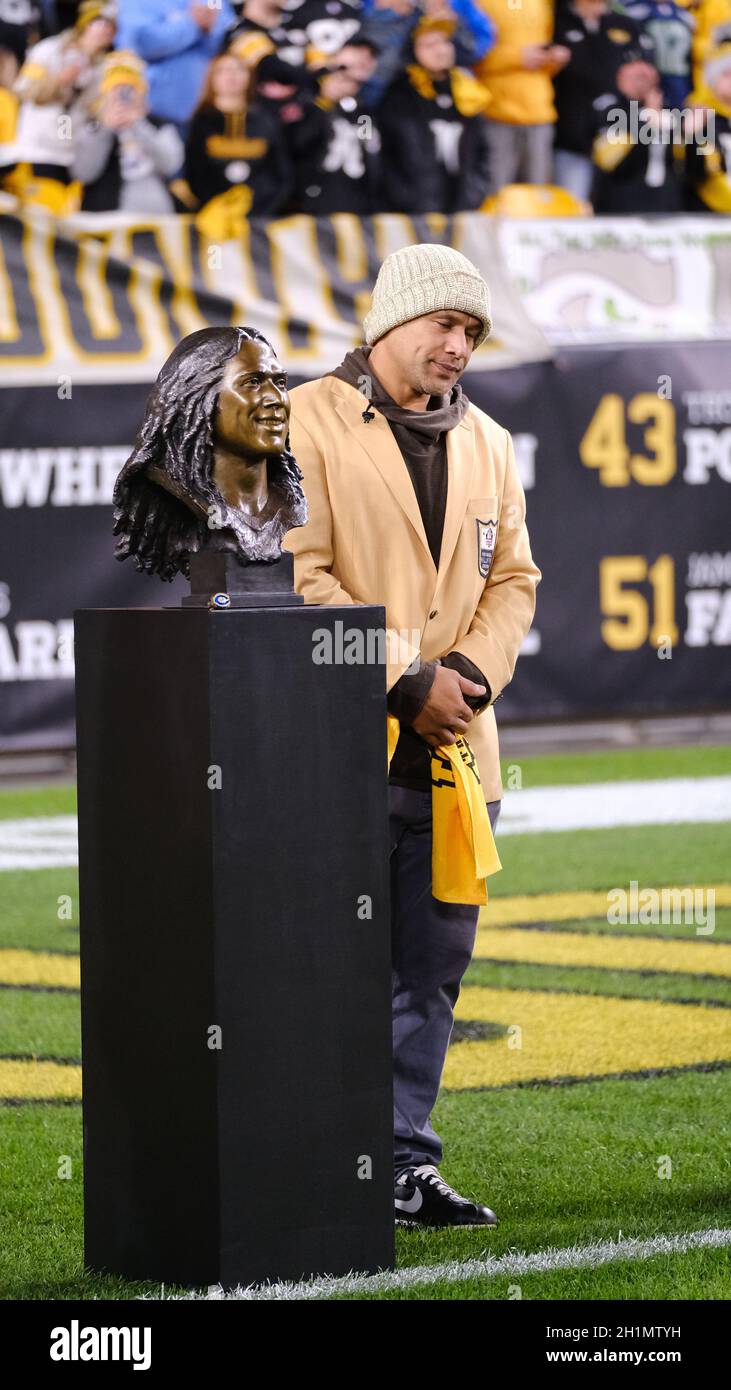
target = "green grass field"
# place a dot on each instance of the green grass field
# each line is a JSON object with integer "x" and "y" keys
{"x": 607, "y": 1121}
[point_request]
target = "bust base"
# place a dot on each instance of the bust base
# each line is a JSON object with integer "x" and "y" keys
{"x": 260, "y": 584}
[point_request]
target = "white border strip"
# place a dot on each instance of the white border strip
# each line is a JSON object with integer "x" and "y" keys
{"x": 516, "y": 1264}
{"x": 603, "y": 805}
{"x": 42, "y": 842}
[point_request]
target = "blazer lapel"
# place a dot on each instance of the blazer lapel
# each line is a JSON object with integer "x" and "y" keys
{"x": 461, "y": 465}
{"x": 377, "y": 441}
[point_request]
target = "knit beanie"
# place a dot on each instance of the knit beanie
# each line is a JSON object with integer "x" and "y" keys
{"x": 90, "y": 10}
{"x": 120, "y": 68}
{"x": 420, "y": 280}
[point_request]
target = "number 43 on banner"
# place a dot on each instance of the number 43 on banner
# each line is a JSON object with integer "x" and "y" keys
{"x": 604, "y": 445}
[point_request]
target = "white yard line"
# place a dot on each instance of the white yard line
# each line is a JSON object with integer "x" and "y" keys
{"x": 38, "y": 842}
{"x": 513, "y": 1264}
{"x": 596, "y": 805}
{"x": 45, "y": 842}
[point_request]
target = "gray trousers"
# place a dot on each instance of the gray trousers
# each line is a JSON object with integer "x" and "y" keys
{"x": 431, "y": 947}
{"x": 519, "y": 153}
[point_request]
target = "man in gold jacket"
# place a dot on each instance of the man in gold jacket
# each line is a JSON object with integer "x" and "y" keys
{"x": 415, "y": 503}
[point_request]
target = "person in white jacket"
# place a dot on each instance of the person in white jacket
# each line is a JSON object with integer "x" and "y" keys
{"x": 57, "y": 73}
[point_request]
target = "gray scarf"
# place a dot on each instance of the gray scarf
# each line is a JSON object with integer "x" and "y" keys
{"x": 442, "y": 412}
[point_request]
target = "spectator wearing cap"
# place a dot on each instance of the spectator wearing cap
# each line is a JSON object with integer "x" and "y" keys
{"x": 124, "y": 157}
{"x": 237, "y": 161}
{"x": 437, "y": 109}
{"x": 177, "y": 40}
{"x": 518, "y": 72}
{"x": 57, "y": 74}
{"x": 638, "y": 150}
{"x": 596, "y": 39}
{"x": 389, "y": 24}
{"x": 337, "y": 144}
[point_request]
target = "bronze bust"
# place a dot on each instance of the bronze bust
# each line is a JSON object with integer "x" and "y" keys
{"x": 211, "y": 468}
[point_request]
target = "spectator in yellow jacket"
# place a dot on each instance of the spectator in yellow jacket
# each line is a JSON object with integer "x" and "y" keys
{"x": 708, "y": 161}
{"x": 712, "y": 28}
{"x": 518, "y": 72}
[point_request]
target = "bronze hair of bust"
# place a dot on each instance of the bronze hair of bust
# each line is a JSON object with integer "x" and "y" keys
{"x": 211, "y": 468}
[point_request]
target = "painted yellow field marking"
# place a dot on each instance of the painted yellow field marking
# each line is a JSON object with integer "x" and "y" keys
{"x": 38, "y": 968}
{"x": 561, "y": 1034}
{"x": 29, "y": 1080}
{"x": 604, "y": 952}
{"x": 567, "y": 907}
{"x": 578, "y": 1035}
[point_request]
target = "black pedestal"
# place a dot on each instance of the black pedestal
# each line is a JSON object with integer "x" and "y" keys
{"x": 235, "y": 946}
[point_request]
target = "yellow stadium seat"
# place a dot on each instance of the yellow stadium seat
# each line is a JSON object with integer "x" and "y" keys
{"x": 535, "y": 200}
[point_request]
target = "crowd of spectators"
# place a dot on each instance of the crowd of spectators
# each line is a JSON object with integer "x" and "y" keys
{"x": 236, "y": 108}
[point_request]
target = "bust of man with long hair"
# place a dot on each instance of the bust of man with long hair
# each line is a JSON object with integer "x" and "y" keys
{"x": 211, "y": 468}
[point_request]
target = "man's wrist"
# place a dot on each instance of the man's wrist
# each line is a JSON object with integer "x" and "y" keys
{"x": 407, "y": 697}
{"x": 455, "y": 661}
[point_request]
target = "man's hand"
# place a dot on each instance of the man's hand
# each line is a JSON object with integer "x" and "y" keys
{"x": 122, "y": 109}
{"x": 534, "y": 56}
{"x": 552, "y": 56}
{"x": 558, "y": 56}
{"x": 444, "y": 713}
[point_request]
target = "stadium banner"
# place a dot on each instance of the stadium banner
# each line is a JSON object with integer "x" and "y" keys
{"x": 623, "y": 279}
{"x": 624, "y": 452}
{"x": 105, "y": 298}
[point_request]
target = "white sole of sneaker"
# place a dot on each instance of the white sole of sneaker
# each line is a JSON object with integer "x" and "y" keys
{"x": 448, "y": 1226}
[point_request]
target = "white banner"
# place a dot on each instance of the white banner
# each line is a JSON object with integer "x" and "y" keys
{"x": 622, "y": 279}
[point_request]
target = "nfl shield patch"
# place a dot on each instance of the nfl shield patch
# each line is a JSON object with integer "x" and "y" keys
{"x": 486, "y": 537}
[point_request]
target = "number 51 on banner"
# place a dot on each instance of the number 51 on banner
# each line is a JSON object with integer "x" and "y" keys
{"x": 631, "y": 619}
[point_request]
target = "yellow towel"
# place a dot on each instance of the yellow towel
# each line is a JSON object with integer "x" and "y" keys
{"x": 463, "y": 847}
{"x": 223, "y": 218}
{"x": 61, "y": 199}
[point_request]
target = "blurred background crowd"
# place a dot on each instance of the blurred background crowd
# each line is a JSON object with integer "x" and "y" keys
{"x": 262, "y": 109}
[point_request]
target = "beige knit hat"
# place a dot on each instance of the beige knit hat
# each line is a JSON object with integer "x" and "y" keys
{"x": 420, "y": 280}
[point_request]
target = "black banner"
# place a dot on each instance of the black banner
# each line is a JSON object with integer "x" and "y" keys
{"x": 625, "y": 455}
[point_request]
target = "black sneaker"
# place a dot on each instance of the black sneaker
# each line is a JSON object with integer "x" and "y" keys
{"x": 423, "y": 1198}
